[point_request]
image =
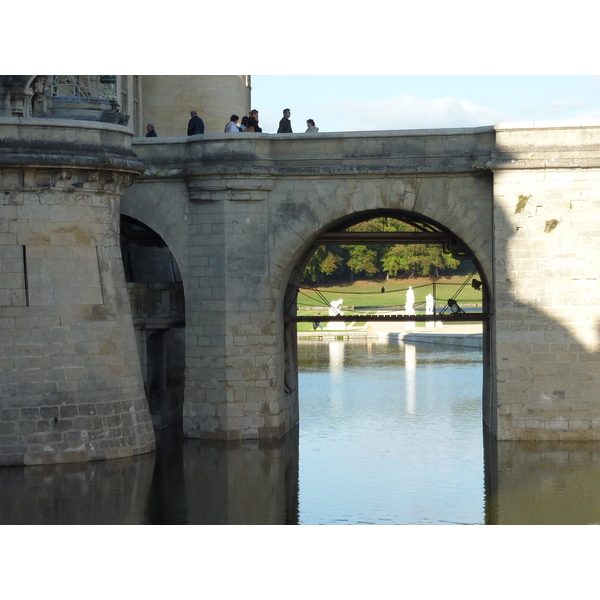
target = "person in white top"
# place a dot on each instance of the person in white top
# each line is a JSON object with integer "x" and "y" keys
{"x": 232, "y": 127}
{"x": 311, "y": 126}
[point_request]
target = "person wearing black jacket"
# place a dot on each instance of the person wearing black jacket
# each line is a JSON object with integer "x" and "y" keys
{"x": 195, "y": 125}
{"x": 252, "y": 124}
{"x": 285, "y": 125}
{"x": 151, "y": 131}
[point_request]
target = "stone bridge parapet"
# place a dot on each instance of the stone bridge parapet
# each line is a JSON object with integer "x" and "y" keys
{"x": 377, "y": 153}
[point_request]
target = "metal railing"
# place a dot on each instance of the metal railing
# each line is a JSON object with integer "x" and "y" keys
{"x": 85, "y": 86}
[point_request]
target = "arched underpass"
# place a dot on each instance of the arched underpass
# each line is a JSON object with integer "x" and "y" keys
{"x": 422, "y": 231}
{"x": 157, "y": 302}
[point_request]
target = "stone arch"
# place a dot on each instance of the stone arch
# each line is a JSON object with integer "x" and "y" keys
{"x": 400, "y": 215}
{"x": 459, "y": 205}
{"x": 163, "y": 208}
{"x": 238, "y": 228}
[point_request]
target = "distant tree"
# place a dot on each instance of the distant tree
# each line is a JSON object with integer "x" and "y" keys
{"x": 363, "y": 259}
{"x": 312, "y": 271}
{"x": 330, "y": 264}
{"x": 338, "y": 262}
{"x": 400, "y": 259}
{"x": 435, "y": 261}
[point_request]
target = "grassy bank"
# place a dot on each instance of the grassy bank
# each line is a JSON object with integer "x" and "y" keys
{"x": 368, "y": 293}
{"x": 367, "y": 297}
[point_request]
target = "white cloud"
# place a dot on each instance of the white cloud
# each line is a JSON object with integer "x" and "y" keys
{"x": 591, "y": 115}
{"x": 554, "y": 106}
{"x": 561, "y": 105}
{"x": 409, "y": 112}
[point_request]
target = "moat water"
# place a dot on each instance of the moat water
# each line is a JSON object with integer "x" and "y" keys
{"x": 390, "y": 433}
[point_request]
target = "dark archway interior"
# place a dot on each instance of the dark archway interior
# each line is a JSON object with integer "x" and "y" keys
{"x": 156, "y": 296}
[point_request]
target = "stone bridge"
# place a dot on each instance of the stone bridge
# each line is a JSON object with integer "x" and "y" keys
{"x": 241, "y": 216}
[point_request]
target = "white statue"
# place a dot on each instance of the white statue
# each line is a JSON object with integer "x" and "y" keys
{"x": 409, "y": 307}
{"x": 334, "y": 308}
{"x": 429, "y": 304}
{"x": 334, "y": 311}
{"x": 429, "y": 301}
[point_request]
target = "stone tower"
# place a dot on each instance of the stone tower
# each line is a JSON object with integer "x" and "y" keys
{"x": 70, "y": 380}
{"x": 168, "y": 99}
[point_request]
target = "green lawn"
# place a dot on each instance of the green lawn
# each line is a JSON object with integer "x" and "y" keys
{"x": 368, "y": 294}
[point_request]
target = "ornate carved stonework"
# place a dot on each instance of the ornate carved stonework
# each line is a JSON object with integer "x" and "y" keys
{"x": 79, "y": 97}
{"x": 69, "y": 181}
{"x": 24, "y": 95}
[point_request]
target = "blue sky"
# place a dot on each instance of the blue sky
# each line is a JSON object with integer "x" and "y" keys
{"x": 364, "y": 103}
{"x": 373, "y": 66}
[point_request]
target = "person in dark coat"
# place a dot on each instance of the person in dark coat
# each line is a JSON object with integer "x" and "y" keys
{"x": 151, "y": 131}
{"x": 285, "y": 125}
{"x": 252, "y": 125}
{"x": 195, "y": 125}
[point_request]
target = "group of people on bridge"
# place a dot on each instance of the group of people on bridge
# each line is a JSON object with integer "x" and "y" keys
{"x": 248, "y": 124}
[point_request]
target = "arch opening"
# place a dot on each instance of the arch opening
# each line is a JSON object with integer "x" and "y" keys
{"x": 406, "y": 230}
{"x": 439, "y": 252}
{"x": 156, "y": 296}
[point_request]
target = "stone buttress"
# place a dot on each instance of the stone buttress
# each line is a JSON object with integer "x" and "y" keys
{"x": 70, "y": 381}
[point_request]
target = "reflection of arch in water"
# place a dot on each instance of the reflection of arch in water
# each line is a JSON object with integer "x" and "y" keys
{"x": 156, "y": 296}
{"x": 479, "y": 258}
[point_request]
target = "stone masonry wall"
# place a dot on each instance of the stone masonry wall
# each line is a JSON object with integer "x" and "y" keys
{"x": 547, "y": 266}
{"x": 232, "y": 384}
{"x": 70, "y": 381}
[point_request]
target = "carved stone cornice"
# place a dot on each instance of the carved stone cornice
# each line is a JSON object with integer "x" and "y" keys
{"x": 66, "y": 180}
{"x": 68, "y": 154}
{"x": 23, "y": 95}
{"x": 215, "y": 188}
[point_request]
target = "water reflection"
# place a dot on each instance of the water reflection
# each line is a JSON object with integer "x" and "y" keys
{"x": 184, "y": 482}
{"x": 103, "y": 493}
{"x": 389, "y": 434}
{"x": 549, "y": 483}
{"x": 410, "y": 362}
{"x": 336, "y": 372}
{"x": 249, "y": 483}
{"x": 395, "y": 451}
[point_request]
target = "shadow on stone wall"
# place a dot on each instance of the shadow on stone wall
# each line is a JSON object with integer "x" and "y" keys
{"x": 156, "y": 297}
{"x": 546, "y": 377}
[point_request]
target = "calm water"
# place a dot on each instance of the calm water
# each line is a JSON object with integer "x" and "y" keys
{"x": 389, "y": 434}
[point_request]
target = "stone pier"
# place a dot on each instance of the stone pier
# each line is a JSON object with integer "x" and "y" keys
{"x": 70, "y": 381}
